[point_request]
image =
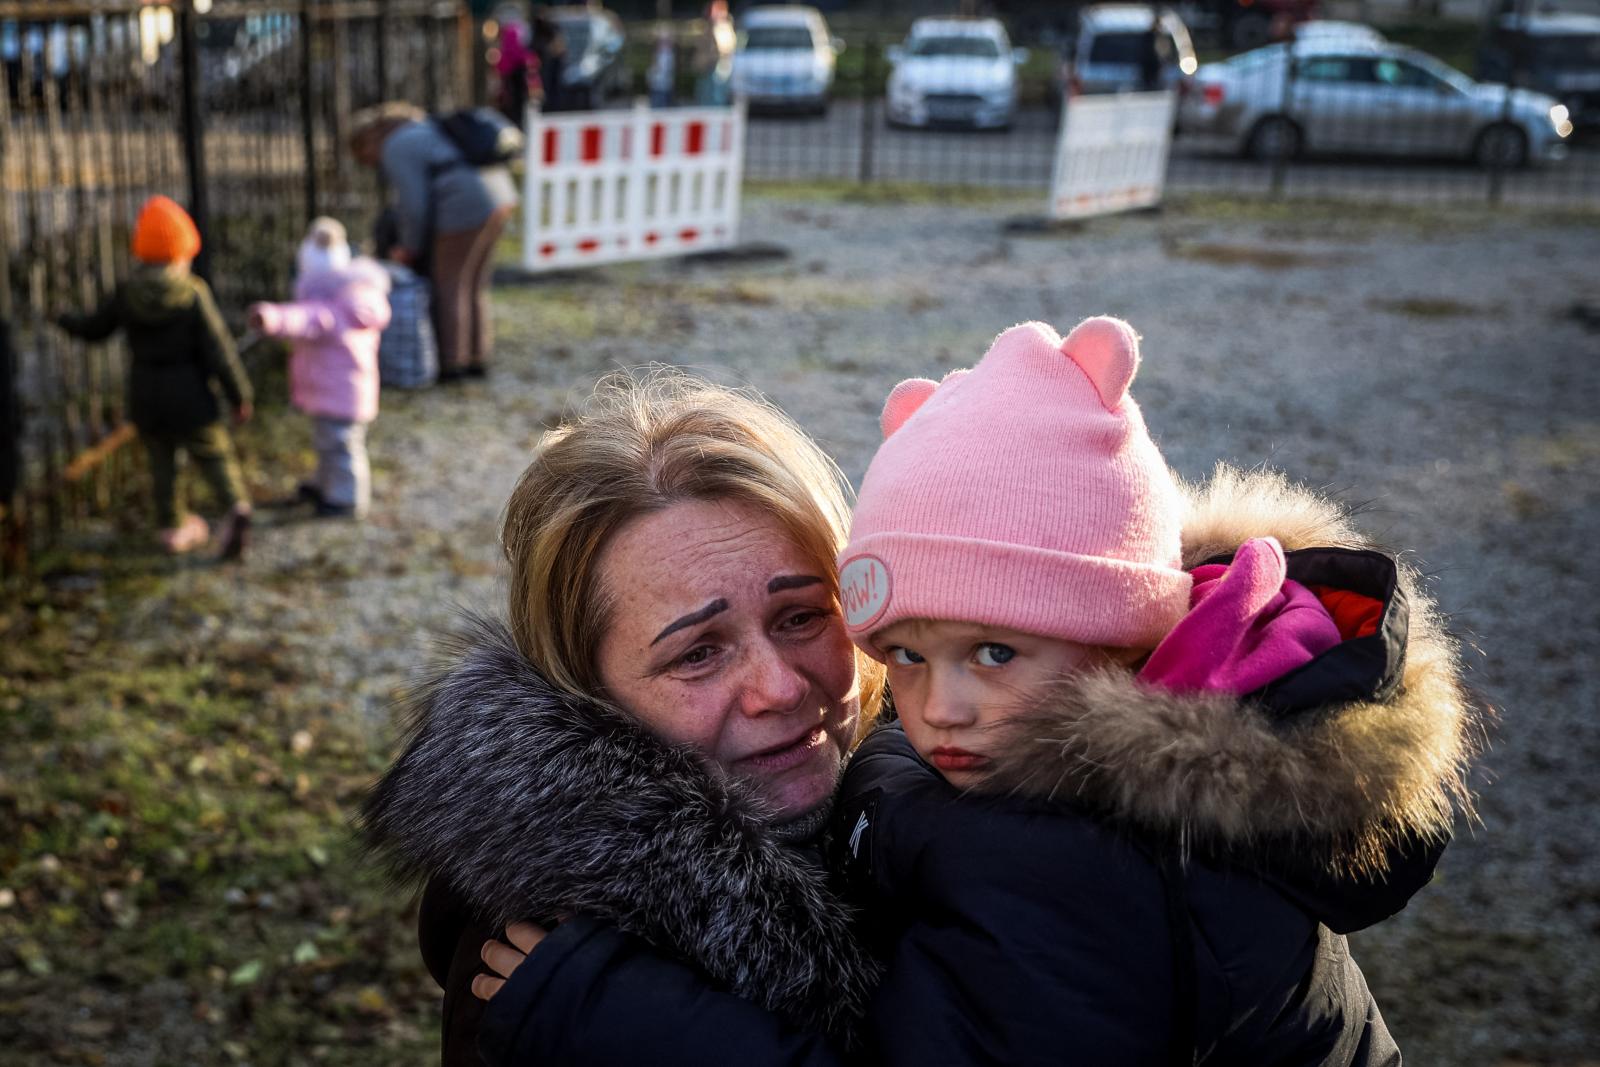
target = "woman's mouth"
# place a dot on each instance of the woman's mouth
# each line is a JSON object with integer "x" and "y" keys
{"x": 956, "y": 759}
{"x": 790, "y": 753}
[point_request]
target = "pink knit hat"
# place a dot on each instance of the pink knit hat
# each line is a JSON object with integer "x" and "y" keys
{"x": 1024, "y": 493}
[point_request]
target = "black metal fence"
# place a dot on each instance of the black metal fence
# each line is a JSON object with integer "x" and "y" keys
{"x": 236, "y": 108}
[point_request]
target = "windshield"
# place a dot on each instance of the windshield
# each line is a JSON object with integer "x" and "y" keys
{"x": 974, "y": 47}
{"x": 1259, "y": 57}
{"x": 1117, "y": 48}
{"x": 1443, "y": 71}
{"x": 777, "y": 39}
{"x": 576, "y": 34}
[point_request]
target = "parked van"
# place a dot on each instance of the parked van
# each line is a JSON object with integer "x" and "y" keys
{"x": 1557, "y": 54}
{"x": 1110, "y": 51}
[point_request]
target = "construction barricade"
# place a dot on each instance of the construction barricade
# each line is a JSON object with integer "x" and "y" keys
{"x": 606, "y": 186}
{"x": 1111, "y": 154}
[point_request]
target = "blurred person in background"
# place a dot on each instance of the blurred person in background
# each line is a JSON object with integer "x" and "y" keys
{"x": 550, "y": 53}
{"x": 450, "y": 215}
{"x": 713, "y": 56}
{"x": 663, "y": 71}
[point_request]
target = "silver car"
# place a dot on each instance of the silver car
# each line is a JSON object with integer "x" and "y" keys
{"x": 1368, "y": 97}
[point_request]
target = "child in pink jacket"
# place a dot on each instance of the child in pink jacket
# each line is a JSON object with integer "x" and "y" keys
{"x": 341, "y": 307}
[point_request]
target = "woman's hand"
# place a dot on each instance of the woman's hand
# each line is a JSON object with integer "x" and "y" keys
{"x": 502, "y": 959}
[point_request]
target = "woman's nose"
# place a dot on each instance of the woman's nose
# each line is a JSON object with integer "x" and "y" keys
{"x": 772, "y": 683}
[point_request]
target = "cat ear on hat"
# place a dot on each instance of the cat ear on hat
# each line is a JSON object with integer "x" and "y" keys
{"x": 904, "y": 400}
{"x": 907, "y": 397}
{"x": 1107, "y": 351}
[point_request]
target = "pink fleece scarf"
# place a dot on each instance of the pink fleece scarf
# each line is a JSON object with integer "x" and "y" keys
{"x": 1247, "y": 625}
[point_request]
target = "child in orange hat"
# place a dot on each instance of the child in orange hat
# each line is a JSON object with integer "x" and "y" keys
{"x": 181, "y": 358}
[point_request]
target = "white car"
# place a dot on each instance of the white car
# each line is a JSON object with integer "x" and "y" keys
{"x": 1355, "y": 96}
{"x": 785, "y": 60}
{"x": 1337, "y": 31}
{"x": 955, "y": 71}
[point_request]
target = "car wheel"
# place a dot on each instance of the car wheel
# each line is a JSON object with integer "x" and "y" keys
{"x": 1272, "y": 138}
{"x": 1501, "y": 147}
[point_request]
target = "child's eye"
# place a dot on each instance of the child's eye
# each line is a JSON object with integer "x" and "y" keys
{"x": 995, "y": 655}
{"x": 903, "y": 657}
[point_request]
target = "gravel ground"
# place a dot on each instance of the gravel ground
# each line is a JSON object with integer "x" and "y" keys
{"x": 1424, "y": 364}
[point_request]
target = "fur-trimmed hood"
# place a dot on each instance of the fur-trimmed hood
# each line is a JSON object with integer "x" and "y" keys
{"x": 1350, "y": 784}
{"x": 531, "y": 804}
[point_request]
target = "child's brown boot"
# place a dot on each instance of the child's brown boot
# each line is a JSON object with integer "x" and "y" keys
{"x": 235, "y": 535}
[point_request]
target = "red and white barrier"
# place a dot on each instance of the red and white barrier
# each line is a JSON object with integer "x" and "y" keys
{"x": 1111, "y": 154}
{"x": 605, "y": 186}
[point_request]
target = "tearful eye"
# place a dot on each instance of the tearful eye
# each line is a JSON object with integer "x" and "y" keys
{"x": 903, "y": 657}
{"x": 994, "y": 655}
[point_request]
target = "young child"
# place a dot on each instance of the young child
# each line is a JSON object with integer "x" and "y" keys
{"x": 180, "y": 355}
{"x": 1185, "y": 760}
{"x": 341, "y": 307}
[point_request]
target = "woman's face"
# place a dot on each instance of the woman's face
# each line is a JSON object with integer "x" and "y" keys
{"x": 725, "y": 637}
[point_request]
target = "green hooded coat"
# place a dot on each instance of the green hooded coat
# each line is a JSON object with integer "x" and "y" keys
{"x": 181, "y": 353}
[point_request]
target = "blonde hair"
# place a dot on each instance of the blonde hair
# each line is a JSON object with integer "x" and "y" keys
{"x": 640, "y": 445}
{"x": 374, "y": 124}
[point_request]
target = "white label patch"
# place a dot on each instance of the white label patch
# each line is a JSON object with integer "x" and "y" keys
{"x": 855, "y": 835}
{"x": 864, "y": 590}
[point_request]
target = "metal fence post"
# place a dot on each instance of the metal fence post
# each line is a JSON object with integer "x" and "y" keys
{"x": 194, "y": 153}
{"x": 1280, "y": 161}
{"x": 13, "y": 537}
{"x": 868, "y": 96}
{"x": 308, "y": 109}
{"x": 382, "y": 56}
{"x": 1497, "y": 170}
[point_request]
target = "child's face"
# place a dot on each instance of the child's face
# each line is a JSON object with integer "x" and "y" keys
{"x": 952, "y": 681}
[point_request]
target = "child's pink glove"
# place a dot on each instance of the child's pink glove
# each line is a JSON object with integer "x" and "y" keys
{"x": 265, "y": 319}
{"x": 1247, "y": 625}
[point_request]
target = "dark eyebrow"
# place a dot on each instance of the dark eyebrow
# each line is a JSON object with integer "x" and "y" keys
{"x": 694, "y": 618}
{"x": 791, "y": 581}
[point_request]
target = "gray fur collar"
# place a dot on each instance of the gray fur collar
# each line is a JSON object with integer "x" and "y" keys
{"x": 1347, "y": 783}
{"x": 532, "y": 803}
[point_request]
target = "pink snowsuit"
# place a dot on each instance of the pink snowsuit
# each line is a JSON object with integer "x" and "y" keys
{"x": 335, "y": 322}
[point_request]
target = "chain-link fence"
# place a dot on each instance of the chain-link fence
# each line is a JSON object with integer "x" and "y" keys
{"x": 235, "y": 108}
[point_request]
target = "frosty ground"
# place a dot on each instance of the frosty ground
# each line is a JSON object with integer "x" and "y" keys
{"x": 1423, "y": 364}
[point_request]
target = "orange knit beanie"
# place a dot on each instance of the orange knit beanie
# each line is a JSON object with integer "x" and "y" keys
{"x": 164, "y": 232}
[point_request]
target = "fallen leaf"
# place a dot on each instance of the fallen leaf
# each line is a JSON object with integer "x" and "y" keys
{"x": 246, "y": 974}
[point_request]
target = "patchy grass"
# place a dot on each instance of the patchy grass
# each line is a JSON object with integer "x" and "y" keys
{"x": 1259, "y": 256}
{"x": 175, "y": 817}
{"x": 1424, "y": 307}
{"x": 887, "y": 192}
{"x": 178, "y": 880}
{"x": 1325, "y": 216}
